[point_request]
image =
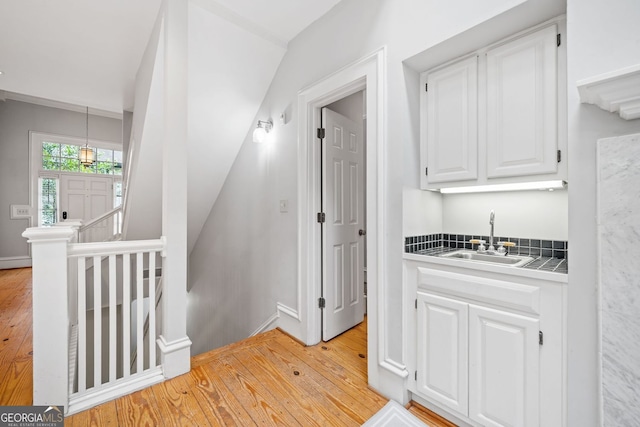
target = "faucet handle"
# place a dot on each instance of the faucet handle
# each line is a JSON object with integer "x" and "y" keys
{"x": 503, "y": 245}
{"x": 481, "y": 247}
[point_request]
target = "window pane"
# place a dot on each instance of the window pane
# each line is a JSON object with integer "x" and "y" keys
{"x": 88, "y": 169}
{"x": 50, "y": 163}
{"x": 49, "y": 217}
{"x": 117, "y": 156}
{"x": 70, "y": 151}
{"x": 105, "y": 167}
{"x": 50, "y": 148}
{"x": 70, "y": 164}
{"x": 48, "y": 201}
{"x": 105, "y": 155}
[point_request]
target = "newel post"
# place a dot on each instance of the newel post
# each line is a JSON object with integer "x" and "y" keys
{"x": 50, "y": 314}
{"x": 174, "y": 344}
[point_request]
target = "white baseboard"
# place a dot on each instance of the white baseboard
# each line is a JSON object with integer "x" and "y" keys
{"x": 271, "y": 323}
{"x": 289, "y": 321}
{"x": 15, "y": 262}
{"x": 91, "y": 398}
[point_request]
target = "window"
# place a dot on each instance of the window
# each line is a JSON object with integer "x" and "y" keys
{"x": 64, "y": 157}
{"x": 48, "y": 201}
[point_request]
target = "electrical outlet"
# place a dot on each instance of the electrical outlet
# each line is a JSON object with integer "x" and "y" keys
{"x": 20, "y": 211}
{"x": 284, "y": 206}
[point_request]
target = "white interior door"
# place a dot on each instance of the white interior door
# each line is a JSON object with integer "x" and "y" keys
{"x": 85, "y": 197}
{"x": 343, "y": 242}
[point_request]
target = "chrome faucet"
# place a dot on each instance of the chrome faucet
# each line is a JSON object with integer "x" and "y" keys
{"x": 492, "y": 219}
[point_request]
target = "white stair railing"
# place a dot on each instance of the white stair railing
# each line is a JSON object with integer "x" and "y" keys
{"x": 103, "y": 228}
{"x": 111, "y": 311}
{"x": 90, "y": 324}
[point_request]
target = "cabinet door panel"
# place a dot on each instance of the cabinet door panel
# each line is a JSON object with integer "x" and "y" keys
{"x": 452, "y": 122}
{"x": 522, "y": 106}
{"x": 442, "y": 351}
{"x": 503, "y": 368}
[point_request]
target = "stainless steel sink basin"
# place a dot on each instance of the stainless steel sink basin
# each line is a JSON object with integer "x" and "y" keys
{"x": 509, "y": 260}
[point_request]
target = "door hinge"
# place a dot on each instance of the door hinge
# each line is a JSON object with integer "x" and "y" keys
{"x": 321, "y": 217}
{"x": 416, "y": 303}
{"x": 559, "y": 156}
{"x": 559, "y": 39}
{"x": 540, "y": 337}
{"x": 426, "y": 171}
{"x": 426, "y": 87}
{"x": 415, "y": 375}
{"x": 321, "y": 133}
{"x": 321, "y": 302}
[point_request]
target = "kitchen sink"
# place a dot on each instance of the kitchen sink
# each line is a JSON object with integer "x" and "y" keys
{"x": 508, "y": 260}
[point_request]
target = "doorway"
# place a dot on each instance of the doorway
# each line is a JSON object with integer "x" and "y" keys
{"x": 342, "y": 201}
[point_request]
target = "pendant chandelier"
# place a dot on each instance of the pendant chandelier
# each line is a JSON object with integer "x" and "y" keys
{"x": 86, "y": 154}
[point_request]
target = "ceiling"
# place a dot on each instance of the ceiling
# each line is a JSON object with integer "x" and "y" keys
{"x": 87, "y": 53}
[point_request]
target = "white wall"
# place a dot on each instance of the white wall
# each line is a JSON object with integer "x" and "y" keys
{"x": 16, "y": 120}
{"x": 602, "y": 36}
{"x": 526, "y": 214}
{"x": 245, "y": 258}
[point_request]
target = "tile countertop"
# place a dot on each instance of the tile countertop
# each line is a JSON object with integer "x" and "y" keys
{"x": 541, "y": 268}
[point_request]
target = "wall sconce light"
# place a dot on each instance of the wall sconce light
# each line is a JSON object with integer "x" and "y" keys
{"x": 86, "y": 153}
{"x": 261, "y": 131}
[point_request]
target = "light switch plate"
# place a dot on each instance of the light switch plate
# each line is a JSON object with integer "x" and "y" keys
{"x": 284, "y": 206}
{"x": 20, "y": 211}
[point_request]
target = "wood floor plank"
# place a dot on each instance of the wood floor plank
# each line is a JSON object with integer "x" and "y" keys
{"x": 138, "y": 409}
{"x": 216, "y": 400}
{"x": 281, "y": 385}
{"x": 104, "y": 415}
{"x": 177, "y": 403}
{"x": 348, "y": 400}
{"x": 16, "y": 387}
{"x": 263, "y": 408}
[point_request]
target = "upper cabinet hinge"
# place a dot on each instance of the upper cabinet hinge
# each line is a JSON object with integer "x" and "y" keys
{"x": 321, "y": 133}
{"x": 540, "y": 337}
{"x": 321, "y": 217}
{"x": 559, "y": 39}
{"x": 426, "y": 87}
{"x": 559, "y": 156}
{"x": 321, "y": 302}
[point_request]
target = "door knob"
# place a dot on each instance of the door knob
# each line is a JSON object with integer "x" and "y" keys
{"x": 362, "y": 232}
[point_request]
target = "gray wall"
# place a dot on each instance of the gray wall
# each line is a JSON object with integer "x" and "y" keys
{"x": 16, "y": 120}
{"x": 602, "y": 36}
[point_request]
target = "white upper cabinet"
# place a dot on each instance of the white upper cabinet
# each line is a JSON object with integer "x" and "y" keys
{"x": 498, "y": 115}
{"x": 452, "y": 117}
{"x": 522, "y": 106}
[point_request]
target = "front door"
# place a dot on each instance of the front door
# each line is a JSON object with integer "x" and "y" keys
{"x": 343, "y": 230}
{"x": 85, "y": 197}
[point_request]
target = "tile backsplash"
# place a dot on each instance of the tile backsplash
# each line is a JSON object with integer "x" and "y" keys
{"x": 524, "y": 246}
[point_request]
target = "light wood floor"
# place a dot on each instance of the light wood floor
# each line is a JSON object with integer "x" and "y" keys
{"x": 269, "y": 379}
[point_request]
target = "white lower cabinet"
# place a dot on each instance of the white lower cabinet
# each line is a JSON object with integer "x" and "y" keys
{"x": 486, "y": 349}
{"x": 480, "y": 362}
{"x": 443, "y": 350}
{"x": 503, "y": 368}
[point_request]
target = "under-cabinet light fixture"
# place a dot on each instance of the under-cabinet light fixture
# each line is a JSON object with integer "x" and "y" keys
{"x": 520, "y": 186}
{"x": 261, "y": 131}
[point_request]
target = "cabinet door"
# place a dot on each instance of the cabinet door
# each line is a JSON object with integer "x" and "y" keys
{"x": 522, "y": 106}
{"x": 442, "y": 351}
{"x": 503, "y": 368}
{"x": 452, "y": 122}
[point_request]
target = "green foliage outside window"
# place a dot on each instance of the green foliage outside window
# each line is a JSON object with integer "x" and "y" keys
{"x": 64, "y": 157}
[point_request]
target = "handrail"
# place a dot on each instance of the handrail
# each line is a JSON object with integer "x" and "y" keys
{"x": 101, "y": 218}
{"x": 113, "y": 248}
